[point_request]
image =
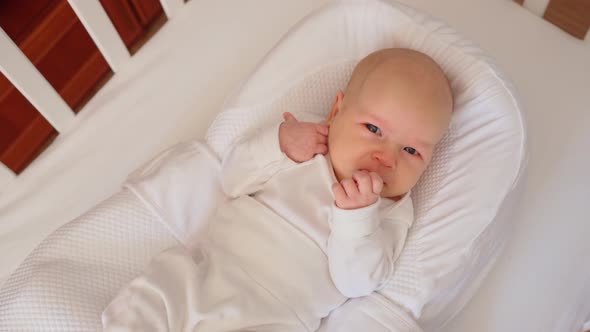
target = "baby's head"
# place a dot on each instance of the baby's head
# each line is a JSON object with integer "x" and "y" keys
{"x": 394, "y": 110}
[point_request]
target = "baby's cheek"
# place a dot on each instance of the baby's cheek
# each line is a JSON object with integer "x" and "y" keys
{"x": 397, "y": 188}
{"x": 337, "y": 170}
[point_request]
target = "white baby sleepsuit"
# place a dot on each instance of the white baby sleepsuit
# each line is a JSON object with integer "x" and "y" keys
{"x": 279, "y": 254}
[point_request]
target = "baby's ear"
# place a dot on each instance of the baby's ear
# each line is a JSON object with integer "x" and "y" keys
{"x": 336, "y": 106}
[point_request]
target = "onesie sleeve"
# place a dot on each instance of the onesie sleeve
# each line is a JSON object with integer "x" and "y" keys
{"x": 252, "y": 161}
{"x": 364, "y": 245}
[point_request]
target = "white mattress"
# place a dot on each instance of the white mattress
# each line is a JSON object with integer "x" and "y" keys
{"x": 537, "y": 285}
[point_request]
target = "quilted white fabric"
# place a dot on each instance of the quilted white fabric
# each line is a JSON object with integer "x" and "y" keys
{"x": 66, "y": 282}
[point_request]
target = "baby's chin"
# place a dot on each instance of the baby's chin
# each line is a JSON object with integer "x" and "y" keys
{"x": 395, "y": 195}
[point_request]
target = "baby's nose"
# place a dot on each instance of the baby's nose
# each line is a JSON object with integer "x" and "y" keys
{"x": 386, "y": 158}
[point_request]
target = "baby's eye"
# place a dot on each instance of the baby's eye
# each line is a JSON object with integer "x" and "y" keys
{"x": 374, "y": 129}
{"x": 411, "y": 150}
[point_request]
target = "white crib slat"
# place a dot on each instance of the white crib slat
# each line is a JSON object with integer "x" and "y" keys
{"x": 27, "y": 79}
{"x": 6, "y": 175}
{"x": 536, "y": 6}
{"x": 102, "y": 31}
{"x": 171, "y": 7}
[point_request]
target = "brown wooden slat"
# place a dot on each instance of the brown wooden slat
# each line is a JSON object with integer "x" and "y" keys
{"x": 573, "y": 16}
{"x": 147, "y": 11}
{"x": 134, "y": 20}
{"x": 150, "y": 31}
{"x": 26, "y": 144}
{"x": 29, "y": 14}
{"x": 29, "y": 144}
{"x": 16, "y": 112}
{"x": 43, "y": 38}
{"x": 123, "y": 17}
{"x": 83, "y": 84}
{"x": 7, "y": 132}
{"x": 65, "y": 64}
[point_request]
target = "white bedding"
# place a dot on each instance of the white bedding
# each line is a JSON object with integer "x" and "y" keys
{"x": 72, "y": 275}
{"x": 542, "y": 281}
{"x": 549, "y": 240}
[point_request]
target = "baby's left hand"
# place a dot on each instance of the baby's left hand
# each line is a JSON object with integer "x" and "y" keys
{"x": 361, "y": 191}
{"x": 301, "y": 141}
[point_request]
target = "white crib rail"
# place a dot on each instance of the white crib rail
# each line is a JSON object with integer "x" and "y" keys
{"x": 102, "y": 31}
{"x": 536, "y": 6}
{"x": 171, "y": 7}
{"x": 6, "y": 175}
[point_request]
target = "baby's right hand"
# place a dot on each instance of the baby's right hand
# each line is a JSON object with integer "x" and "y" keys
{"x": 300, "y": 141}
{"x": 361, "y": 191}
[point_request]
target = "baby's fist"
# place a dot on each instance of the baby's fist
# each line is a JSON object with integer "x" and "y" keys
{"x": 361, "y": 191}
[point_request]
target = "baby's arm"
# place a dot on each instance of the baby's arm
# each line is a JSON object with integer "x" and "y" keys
{"x": 255, "y": 159}
{"x": 249, "y": 163}
{"x": 362, "y": 248}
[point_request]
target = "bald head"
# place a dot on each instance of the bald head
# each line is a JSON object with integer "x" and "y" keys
{"x": 413, "y": 69}
{"x": 395, "y": 109}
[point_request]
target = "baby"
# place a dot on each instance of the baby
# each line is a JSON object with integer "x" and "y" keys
{"x": 319, "y": 211}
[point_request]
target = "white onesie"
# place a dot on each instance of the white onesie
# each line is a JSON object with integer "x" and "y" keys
{"x": 279, "y": 256}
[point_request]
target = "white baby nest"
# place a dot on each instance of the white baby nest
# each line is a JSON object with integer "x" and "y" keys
{"x": 462, "y": 203}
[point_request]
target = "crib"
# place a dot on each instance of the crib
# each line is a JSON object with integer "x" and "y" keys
{"x": 540, "y": 281}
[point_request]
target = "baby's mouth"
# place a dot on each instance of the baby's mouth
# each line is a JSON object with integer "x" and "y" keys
{"x": 369, "y": 171}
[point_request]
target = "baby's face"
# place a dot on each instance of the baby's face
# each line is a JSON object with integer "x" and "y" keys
{"x": 389, "y": 127}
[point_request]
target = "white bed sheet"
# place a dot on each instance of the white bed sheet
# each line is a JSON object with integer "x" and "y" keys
{"x": 172, "y": 88}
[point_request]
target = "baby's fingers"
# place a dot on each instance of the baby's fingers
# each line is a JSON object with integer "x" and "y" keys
{"x": 322, "y": 129}
{"x": 377, "y": 182}
{"x": 289, "y": 117}
{"x": 322, "y": 139}
{"x": 321, "y": 149}
{"x": 350, "y": 188}
{"x": 364, "y": 181}
{"x": 339, "y": 194}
